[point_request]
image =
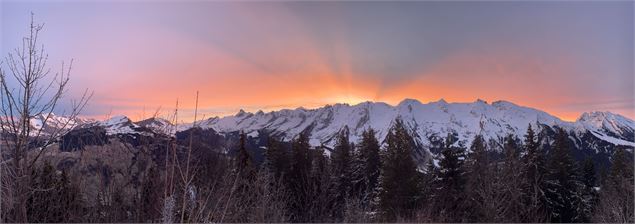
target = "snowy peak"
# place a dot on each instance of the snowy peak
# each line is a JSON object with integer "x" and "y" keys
{"x": 606, "y": 120}
{"x": 119, "y": 124}
{"x": 154, "y": 121}
{"x": 49, "y": 123}
{"x": 116, "y": 120}
{"x": 608, "y": 126}
{"x": 158, "y": 125}
{"x": 425, "y": 120}
{"x": 493, "y": 121}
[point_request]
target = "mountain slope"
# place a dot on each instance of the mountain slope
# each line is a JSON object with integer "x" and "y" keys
{"x": 608, "y": 126}
{"x": 426, "y": 121}
{"x": 158, "y": 125}
{"x": 595, "y": 134}
{"x": 50, "y": 123}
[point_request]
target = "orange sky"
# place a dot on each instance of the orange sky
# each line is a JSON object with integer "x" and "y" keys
{"x": 490, "y": 75}
{"x": 565, "y": 58}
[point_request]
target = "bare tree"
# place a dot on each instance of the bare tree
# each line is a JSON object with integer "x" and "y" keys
{"x": 168, "y": 203}
{"x": 616, "y": 203}
{"x": 186, "y": 175}
{"x": 28, "y": 90}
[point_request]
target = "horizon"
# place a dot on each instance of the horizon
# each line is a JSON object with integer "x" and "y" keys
{"x": 564, "y": 58}
{"x": 169, "y": 114}
{"x": 311, "y": 111}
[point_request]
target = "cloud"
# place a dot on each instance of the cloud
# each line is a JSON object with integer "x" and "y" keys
{"x": 548, "y": 55}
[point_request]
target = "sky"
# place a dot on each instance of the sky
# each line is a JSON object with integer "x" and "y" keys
{"x": 137, "y": 57}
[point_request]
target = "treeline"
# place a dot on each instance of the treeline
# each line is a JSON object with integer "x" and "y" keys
{"x": 358, "y": 182}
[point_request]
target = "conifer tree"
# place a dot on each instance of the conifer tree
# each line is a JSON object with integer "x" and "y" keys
{"x": 479, "y": 190}
{"x": 358, "y": 176}
{"x": 243, "y": 189}
{"x": 511, "y": 187}
{"x": 299, "y": 183}
{"x": 244, "y": 164}
{"x": 588, "y": 172}
{"x": 300, "y": 162}
{"x": 276, "y": 168}
{"x": 320, "y": 181}
{"x": 563, "y": 197}
{"x": 449, "y": 196}
{"x": 533, "y": 181}
{"x": 621, "y": 166}
{"x": 341, "y": 160}
{"x": 589, "y": 194}
{"x": 617, "y": 192}
{"x": 370, "y": 161}
{"x": 400, "y": 182}
{"x": 428, "y": 191}
{"x": 276, "y": 161}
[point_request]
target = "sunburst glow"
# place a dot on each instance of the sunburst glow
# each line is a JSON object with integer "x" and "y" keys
{"x": 265, "y": 56}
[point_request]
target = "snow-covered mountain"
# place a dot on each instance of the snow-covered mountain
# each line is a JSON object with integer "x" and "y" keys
{"x": 158, "y": 125}
{"x": 47, "y": 124}
{"x": 594, "y": 134}
{"x": 607, "y": 126}
{"x": 427, "y": 121}
{"x": 119, "y": 125}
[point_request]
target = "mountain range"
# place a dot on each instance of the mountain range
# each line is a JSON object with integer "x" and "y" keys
{"x": 592, "y": 134}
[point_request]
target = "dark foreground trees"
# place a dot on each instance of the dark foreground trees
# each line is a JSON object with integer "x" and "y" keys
{"x": 55, "y": 197}
{"x": 449, "y": 198}
{"x": 28, "y": 89}
{"x": 616, "y": 194}
{"x": 362, "y": 182}
{"x": 564, "y": 199}
{"x": 533, "y": 183}
{"x": 400, "y": 187}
